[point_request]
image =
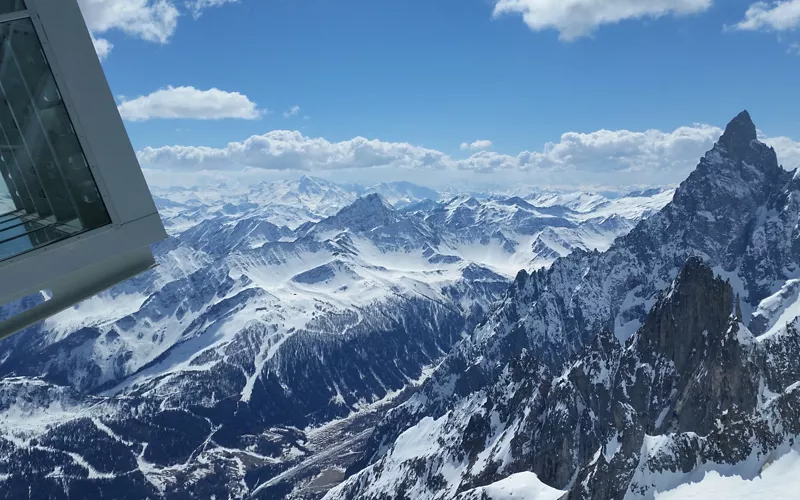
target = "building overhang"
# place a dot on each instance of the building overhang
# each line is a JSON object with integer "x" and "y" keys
{"x": 76, "y": 215}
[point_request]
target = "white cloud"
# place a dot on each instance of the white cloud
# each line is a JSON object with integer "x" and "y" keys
{"x": 604, "y": 158}
{"x": 286, "y": 150}
{"x": 623, "y": 149}
{"x": 477, "y": 145}
{"x": 151, "y": 20}
{"x": 191, "y": 103}
{"x": 198, "y": 6}
{"x": 102, "y": 47}
{"x": 787, "y": 149}
{"x": 293, "y": 111}
{"x": 576, "y": 18}
{"x": 776, "y": 16}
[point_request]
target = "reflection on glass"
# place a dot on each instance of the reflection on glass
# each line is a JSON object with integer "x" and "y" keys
{"x": 7, "y": 6}
{"x": 47, "y": 191}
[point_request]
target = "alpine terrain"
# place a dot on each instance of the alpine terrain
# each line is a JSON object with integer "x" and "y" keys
{"x": 641, "y": 372}
{"x": 282, "y": 322}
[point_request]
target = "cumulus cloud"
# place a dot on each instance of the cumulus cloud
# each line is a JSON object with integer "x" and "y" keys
{"x": 293, "y": 111}
{"x": 577, "y": 18}
{"x": 787, "y": 149}
{"x": 287, "y": 150}
{"x": 477, "y": 145}
{"x": 600, "y": 158}
{"x": 626, "y": 150}
{"x": 151, "y": 20}
{"x": 191, "y": 103}
{"x": 775, "y": 16}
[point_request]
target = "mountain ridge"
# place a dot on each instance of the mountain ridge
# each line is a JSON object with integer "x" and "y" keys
{"x": 737, "y": 211}
{"x": 258, "y": 342}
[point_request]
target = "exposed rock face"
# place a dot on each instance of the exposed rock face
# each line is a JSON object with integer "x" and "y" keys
{"x": 712, "y": 409}
{"x": 611, "y": 375}
{"x": 690, "y": 380}
{"x": 696, "y": 367}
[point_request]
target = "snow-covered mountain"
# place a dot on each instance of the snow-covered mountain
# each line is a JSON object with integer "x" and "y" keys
{"x": 510, "y": 234}
{"x": 628, "y": 373}
{"x": 282, "y": 322}
{"x": 504, "y": 233}
{"x": 283, "y": 203}
{"x": 401, "y": 194}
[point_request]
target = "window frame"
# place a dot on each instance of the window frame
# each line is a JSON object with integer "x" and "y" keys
{"x": 135, "y": 224}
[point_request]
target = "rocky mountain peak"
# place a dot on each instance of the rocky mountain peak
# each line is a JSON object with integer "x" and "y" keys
{"x": 741, "y": 130}
{"x": 314, "y": 185}
{"x": 739, "y": 145}
{"x": 694, "y": 271}
{"x": 371, "y": 203}
{"x": 371, "y": 206}
{"x": 518, "y": 202}
{"x": 464, "y": 201}
{"x": 306, "y": 183}
{"x": 363, "y": 215}
{"x": 716, "y": 204}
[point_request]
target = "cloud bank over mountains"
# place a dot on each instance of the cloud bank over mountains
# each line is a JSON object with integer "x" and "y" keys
{"x": 600, "y": 158}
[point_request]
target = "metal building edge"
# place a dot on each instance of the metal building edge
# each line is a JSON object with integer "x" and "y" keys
{"x": 78, "y": 267}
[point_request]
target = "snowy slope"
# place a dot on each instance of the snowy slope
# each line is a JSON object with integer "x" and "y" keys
{"x": 780, "y": 480}
{"x": 401, "y": 194}
{"x": 635, "y": 205}
{"x": 520, "y": 486}
{"x": 283, "y": 203}
{"x": 509, "y": 234}
{"x": 577, "y": 201}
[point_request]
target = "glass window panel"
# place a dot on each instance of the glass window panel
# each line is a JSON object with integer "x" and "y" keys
{"x": 47, "y": 190}
{"x": 7, "y": 6}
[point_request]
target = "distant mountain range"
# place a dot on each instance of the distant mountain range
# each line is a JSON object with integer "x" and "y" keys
{"x": 282, "y": 317}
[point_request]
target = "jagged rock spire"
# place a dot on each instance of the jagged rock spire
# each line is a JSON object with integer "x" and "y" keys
{"x": 740, "y": 131}
{"x": 740, "y": 140}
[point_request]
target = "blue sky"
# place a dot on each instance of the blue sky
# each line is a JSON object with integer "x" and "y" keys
{"x": 436, "y": 74}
